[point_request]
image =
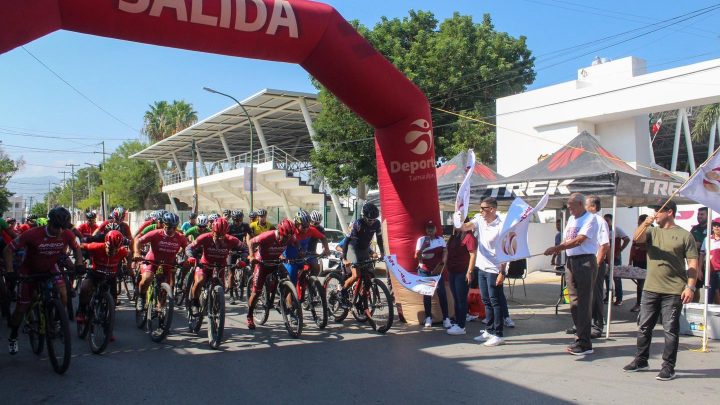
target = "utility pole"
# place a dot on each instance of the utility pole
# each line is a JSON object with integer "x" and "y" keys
{"x": 195, "y": 186}
{"x": 102, "y": 166}
{"x": 31, "y": 204}
{"x": 72, "y": 188}
{"x": 48, "y": 194}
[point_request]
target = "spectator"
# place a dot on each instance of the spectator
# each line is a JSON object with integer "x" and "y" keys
{"x": 699, "y": 233}
{"x": 462, "y": 249}
{"x": 638, "y": 258}
{"x": 581, "y": 234}
{"x": 491, "y": 274}
{"x": 431, "y": 252}
{"x": 714, "y": 293}
{"x": 592, "y": 205}
{"x": 621, "y": 242}
{"x": 667, "y": 286}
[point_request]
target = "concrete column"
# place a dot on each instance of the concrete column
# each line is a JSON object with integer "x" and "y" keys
{"x": 227, "y": 152}
{"x": 261, "y": 135}
{"x": 180, "y": 169}
{"x": 201, "y": 161}
{"x": 160, "y": 171}
{"x": 688, "y": 142}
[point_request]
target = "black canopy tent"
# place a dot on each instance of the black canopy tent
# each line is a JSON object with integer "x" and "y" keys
{"x": 451, "y": 174}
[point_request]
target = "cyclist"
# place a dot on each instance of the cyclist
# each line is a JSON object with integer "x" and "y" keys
{"x": 8, "y": 234}
{"x": 165, "y": 244}
{"x": 106, "y": 258}
{"x": 252, "y": 216}
{"x": 226, "y": 213}
{"x": 192, "y": 221}
{"x": 240, "y": 230}
{"x": 150, "y": 220}
{"x": 261, "y": 225}
{"x": 357, "y": 248}
{"x": 199, "y": 229}
{"x": 216, "y": 247}
{"x": 44, "y": 246}
{"x": 89, "y": 226}
{"x": 30, "y": 222}
{"x": 212, "y": 217}
{"x": 305, "y": 232}
{"x": 267, "y": 246}
{"x": 315, "y": 221}
{"x": 117, "y": 217}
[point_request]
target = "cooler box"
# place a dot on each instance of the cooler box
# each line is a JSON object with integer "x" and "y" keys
{"x": 691, "y": 320}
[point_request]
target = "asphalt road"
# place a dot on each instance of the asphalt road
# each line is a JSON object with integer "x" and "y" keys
{"x": 349, "y": 363}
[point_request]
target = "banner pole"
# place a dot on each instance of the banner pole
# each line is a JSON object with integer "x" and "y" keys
{"x": 612, "y": 269}
{"x": 688, "y": 179}
{"x": 707, "y": 280}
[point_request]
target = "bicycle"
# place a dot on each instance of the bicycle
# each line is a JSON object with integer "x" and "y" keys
{"x": 124, "y": 275}
{"x": 157, "y": 315}
{"x": 370, "y": 299}
{"x": 100, "y": 314}
{"x": 311, "y": 292}
{"x": 47, "y": 322}
{"x": 239, "y": 280}
{"x": 278, "y": 281}
{"x": 212, "y": 306}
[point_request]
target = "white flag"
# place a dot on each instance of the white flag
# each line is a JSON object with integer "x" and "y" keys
{"x": 512, "y": 243}
{"x": 463, "y": 197}
{"x": 413, "y": 282}
{"x": 704, "y": 184}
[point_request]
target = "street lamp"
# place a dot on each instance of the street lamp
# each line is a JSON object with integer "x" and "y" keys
{"x": 250, "y": 124}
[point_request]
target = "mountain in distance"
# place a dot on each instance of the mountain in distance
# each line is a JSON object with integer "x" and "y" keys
{"x": 36, "y": 185}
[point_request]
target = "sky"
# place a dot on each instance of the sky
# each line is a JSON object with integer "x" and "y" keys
{"x": 102, "y": 87}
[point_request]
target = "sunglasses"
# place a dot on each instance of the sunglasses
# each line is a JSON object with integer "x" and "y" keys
{"x": 486, "y": 208}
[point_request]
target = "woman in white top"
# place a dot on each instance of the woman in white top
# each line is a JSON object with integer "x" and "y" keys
{"x": 431, "y": 253}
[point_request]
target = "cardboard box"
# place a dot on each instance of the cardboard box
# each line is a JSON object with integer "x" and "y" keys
{"x": 692, "y": 322}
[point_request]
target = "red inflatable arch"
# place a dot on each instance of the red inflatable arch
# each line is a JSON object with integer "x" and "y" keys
{"x": 313, "y": 35}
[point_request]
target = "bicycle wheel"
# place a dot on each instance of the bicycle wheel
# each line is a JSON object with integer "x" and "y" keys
{"x": 332, "y": 286}
{"x": 57, "y": 334}
{"x": 36, "y": 336}
{"x": 291, "y": 312}
{"x": 316, "y": 301}
{"x": 381, "y": 306}
{"x": 265, "y": 302}
{"x": 4, "y": 298}
{"x": 359, "y": 306}
{"x": 70, "y": 291}
{"x": 179, "y": 288}
{"x": 140, "y": 312}
{"x": 101, "y": 323}
{"x": 84, "y": 327}
{"x": 160, "y": 313}
{"x": 216, "y": 316}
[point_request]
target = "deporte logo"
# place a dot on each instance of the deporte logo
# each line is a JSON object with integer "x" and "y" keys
{"x": 419, "y": 138}
{"x": 425, "y": 137}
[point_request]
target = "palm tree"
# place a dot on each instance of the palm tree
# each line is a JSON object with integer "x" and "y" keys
{"x": 164, "y": 119}
{"x": 183, "y": 115}
{"x": 708, "y": 116}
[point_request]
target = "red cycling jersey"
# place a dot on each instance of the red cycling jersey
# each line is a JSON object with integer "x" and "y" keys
{"x": 215, "y": 252}
{"x": 268, "y": 247}
{"x": 86, "y": 229}
{"x": 100, "y": 259}
{"x": 43, "y": 250}
{"x": 163, "y": 248}
{"x": 310, "y": 232}
{"x": 124, "y": 228}
{"x": 24, "y": 227}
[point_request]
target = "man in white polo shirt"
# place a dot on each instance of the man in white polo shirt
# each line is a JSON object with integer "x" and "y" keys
{"x": 580, "y": 241}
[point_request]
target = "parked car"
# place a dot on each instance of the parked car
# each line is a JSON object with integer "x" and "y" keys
{"x": 334, "y": 236}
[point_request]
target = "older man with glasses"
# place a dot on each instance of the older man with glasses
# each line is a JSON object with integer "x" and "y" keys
{"x": 580, "y": 242}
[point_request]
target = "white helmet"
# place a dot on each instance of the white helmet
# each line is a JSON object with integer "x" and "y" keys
{"x": 202, "y": 220}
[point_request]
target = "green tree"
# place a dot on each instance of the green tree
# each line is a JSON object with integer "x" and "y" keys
{"x": 164, "y": 119}
{"x": 462, "y": 66}
{"x": 85, "y": 186}
{"x": 704, "y": 122}
{"x": 40, "y": 209}
{"x": 8, "y": 167}
{"x": 127, "y": 181}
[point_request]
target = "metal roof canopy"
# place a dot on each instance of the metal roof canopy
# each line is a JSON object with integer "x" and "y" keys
{"x": 277, "y": 112}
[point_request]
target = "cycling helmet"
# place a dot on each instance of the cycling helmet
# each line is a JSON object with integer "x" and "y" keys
{"x": 149, "y": 217}
{"x": 10, "y": 220}
{"x": 370, "y": 211}
{"x": 220, "y": 226}
{"x": 115, "y": 215}
{"x": 170, "y": 220}
{"x": 121, "y": 211}
{"x": 261, "y": 212}
{"x": 226, "y": 213}
{"x": 315, "y": 216}
{"x": 202, "y": 220}
{"x": 59, "y": 217}
{"x": 213, "y": 217}
{"x": 31, "y": 217}
{"x": 286, "y": 228}
{"x": 112, "y": 226}
{"x": 252, "y": 215}
{"x": 114, "y": 239}
{"x": 237, "y": 215}
{"x": 302, "y": 219}
{"x": 90, "y": 215}
{"x": 193, "y": 215}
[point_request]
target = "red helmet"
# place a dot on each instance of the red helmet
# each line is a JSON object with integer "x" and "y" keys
{"x": 220, "y": 226}
{"x": 114, "y": 239}
{"x": 286, "y": 228}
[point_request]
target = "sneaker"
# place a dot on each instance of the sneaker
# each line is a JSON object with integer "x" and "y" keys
{"x": 666, "y": 374}
{"x": 636, "y": 365}
{"x": 456, "y": 330}
{"x": 635, "y": 308}
{"x": 596, "y": 334}
{"x": 470, "y": 318}
{"x": 428, "y": 322}
{"x": 509, "y": 322}
{"x": 484, "y": 321}
{"x": 494, "y": 341}
{"x": 233, "y": 302}
{"x": 617, "y": 303}
{"x": 577, "y": 350}
{"x": 571, "y": 330}
{"x": 12, "y": 346}
{"x": 484, "y": 335}
{"x": 250, "y": 323}
{"x": 446, "y": 323}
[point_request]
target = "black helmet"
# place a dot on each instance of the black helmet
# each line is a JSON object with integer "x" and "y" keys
{"x": 252, "y": 214}
{"x": 90, "y": 215}
{"x": 370, "y": 211}
{"x": 261, "y": 212}
{"x": 193, "y": 215}
{"x": 31, "y": 217}
{"x": 169, "y": 219}
{"x": 237, "y": 215}
{"x": 59, "y": 217}
{"x": 226, "y": 213}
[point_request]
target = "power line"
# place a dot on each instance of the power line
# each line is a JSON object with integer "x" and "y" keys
{"x": 12, "y": 132}
{"x": 31, "y": 149}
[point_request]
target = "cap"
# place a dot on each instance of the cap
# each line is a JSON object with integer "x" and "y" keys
{"x": 429, "y": 224}
{"x": 670, "y": 205}
{"x": 715, "y": 222}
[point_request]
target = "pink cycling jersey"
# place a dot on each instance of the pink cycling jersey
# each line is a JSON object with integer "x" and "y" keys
{"x": 215, "y": 252}
{"x": 163, "y": 247}
{"x": 42, "y": 250}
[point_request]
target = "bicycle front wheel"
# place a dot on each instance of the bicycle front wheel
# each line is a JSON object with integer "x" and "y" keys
{"x": 381, "y": 306}
{"x": 316, "y": 302}
{"x": 36, "y": 336}
{"x": 160, "y": 313}
{"x": 57, "y": 334}
{"x": 332, "y": 286}
{"x": 290, "y": 309}
{"x": 101, "y": 323}
{"x": 216, "y": 316}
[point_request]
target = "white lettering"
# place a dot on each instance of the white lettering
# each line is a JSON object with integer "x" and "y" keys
{"x": 288, "y": 21}
{"x": 494, "y": 190}
{"x": 536, "y": 188}
{"x": 562, "y": 188}
{"x": 225, "y": 12}
{"x": 672, "y": 187}
{"x": 139, "y": 6}
{"x": 241, "y": 23}
{"x": 411, "y": 167}
{"x": 647, "y": 183}
{"x": 661, "y": 188}
{"x": 197, "y": 16}
{"x": 515, "y": 187}
{"x": 394, "y": 167}
{"x": 178, "y": 5}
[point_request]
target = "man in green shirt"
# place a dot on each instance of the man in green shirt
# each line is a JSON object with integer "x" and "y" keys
{"x": 667, "y": 287}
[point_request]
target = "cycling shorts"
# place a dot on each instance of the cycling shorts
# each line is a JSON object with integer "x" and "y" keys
{"x": 260, "y": 274}
{"x": 208, "y": 271}
{"x": 27, "y": 288}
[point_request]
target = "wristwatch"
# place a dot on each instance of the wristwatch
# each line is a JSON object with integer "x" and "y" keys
{"x": 692, "y": 288}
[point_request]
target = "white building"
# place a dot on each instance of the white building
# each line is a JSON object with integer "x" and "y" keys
{"x": 17, "y": 208}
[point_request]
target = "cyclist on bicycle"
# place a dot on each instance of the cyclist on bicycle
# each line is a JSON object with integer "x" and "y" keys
{"x": 106, "y": 258}
{"x": 88, "y": 227}
{"x": 116, "y": 217}
{"x": 192, "y": 221}
{"x": 240, "y": 230}
{"x": 165, "y": 244}
{"x": 199, "y": 229}
{"x": 150, "y": 224}
{"x": 315, "y": 220}
{"x": 216, "y": 247}
{"x": 30, "y": 222}
{"x": 226, "y": 213}
{"x": 252, "y": 217}
{"x": 357, "y": 248}
{"x": 261, "y": 225}
{"x": 267, "y": 246}
{"x": 305, "y": 232}
{"x": 44, "y": 246}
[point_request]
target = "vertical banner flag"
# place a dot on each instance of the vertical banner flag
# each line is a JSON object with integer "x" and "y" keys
{"x": 246, "y": 179}
{"x": 512, "y": 243}
{"x": 462, "y": 201}
{"x": 413, "y": 282}
{"x": 704, "y": 185}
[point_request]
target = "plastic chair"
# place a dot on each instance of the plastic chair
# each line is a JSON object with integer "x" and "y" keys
{"x": 517, "y": 270}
